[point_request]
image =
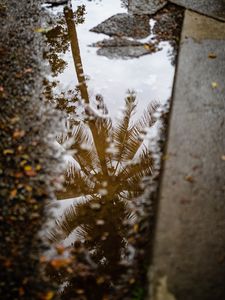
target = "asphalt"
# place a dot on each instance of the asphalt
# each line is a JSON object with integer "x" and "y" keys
{"x": 27, "y": 154}
{"x": 188, "y": 259}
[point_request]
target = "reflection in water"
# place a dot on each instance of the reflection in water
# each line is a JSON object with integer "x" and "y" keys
{"x": 109, "y": 164}
{"x": 104, "y": 178}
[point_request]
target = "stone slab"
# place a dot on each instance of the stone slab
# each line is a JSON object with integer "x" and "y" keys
{"x": 188, "y": 259}
{"x": 215, "y": 8}
{"x": 124, "y": 25}
{"x": 142, "y": 7}
{"x": 123, "y": 52}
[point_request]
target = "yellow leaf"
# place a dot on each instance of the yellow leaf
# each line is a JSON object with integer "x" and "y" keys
{"x": 8, "y": 151}
{"x": 42, "y": 30}
{"x": 214, "y": 85}
{"x": 38, "y": 167}
{"x": 212, "y": 55}
{"x": 27, "y": 168}
{"x": 48, "y": 296}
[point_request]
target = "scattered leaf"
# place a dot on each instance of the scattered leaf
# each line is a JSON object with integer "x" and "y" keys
{"x": 223, "y": 157}
{"x": 7, "y": 263}
{"x": 214, "y": 85}
{"x": 95, "y": 206}
{"x": 58, "y": 263}
{"x": 42, "y": 30}
{"x": 48, "y": 296}
{"x": 136, "y": 228}
{"x": 100, "y": 222}
{"x": 8, "y": 151}
{"x": 23, "y": 162}
{"x": 100, "y": 280}
{"x": 189, "y": 178}
{"x": 15, "y": 120}
{"x": 43, "y": 259}
{"x": 60, "y": 249}
{"x": 29, "y": 171}
{"x": 212, "y": 55}
{"x": 38, "y": 167}
{"x": 21, "y": 291}
{"x": 80, "y": 291}
{"x": 13, "y": 193}
{"x": 18, "y": 134}
{"x": 131, "y": 280}
{"x": 28, "y": 70}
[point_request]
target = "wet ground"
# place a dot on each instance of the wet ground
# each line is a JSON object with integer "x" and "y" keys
{"x": 111, "y": 80}
{"x": 28, "y": 158}
{"x": 112, "y": 76}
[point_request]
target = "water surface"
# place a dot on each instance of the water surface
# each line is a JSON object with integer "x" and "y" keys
{"x": 110, "y": 108}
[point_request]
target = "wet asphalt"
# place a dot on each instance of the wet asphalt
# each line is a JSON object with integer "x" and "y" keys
{"x": 27, "y": 155}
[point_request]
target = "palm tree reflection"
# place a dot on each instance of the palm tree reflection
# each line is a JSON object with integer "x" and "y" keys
{"x": 108, "y": 166}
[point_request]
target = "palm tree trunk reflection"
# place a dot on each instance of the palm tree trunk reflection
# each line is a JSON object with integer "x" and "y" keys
{"x": 82, "y": 84}
{"x": 76, "y": 53}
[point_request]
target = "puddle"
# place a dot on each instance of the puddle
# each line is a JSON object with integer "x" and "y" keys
{"x": 111, "y": 104}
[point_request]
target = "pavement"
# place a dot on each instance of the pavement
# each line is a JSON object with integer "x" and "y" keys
{"x": 188, "y": 261}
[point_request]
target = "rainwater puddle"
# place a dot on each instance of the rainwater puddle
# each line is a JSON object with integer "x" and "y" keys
{"x": 111, "y": 105}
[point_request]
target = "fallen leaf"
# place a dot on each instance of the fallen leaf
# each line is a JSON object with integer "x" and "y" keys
{"x": 35, "y": 216}
{"x": 38, "y": 167}
{"x": 28, "y": 70}
{"x": 18, "y": 134}
{"x": 13, "y": 194}
{"x": 214, "y": 85}
{"x": 7, "y": 263}
{"x": 60, "y": 249}
{"x": 58, "y": 263}
{"x": 21, "y": 291}
{"x": 18, "y": 75}
{"x": 43, "y": 259}
{"x": 100, "y": 280}
{"x": 100, "y": 222}
{"x": 8, "y": 151}
{"x": 212, "y": 55}
{"x": 80, "y": 291}
{"x": 48, "y": 296}
{"x": 23, "y": 162}
{"x": 189, "y": 178}
{"x": 42, "y": 30}
{"x": 29, "y": 171}
{"x": 18, "y": 175}
{"x": 136, "y": 228}
{"x": 14, "y": 120}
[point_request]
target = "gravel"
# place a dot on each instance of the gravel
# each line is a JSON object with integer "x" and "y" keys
{"x": 27, "y": 155}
